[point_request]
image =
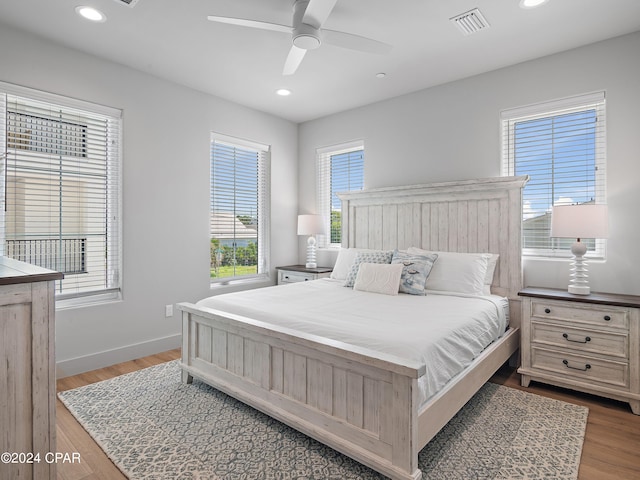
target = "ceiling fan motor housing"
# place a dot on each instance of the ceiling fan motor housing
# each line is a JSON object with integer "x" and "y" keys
{"x": 304, "y": 36}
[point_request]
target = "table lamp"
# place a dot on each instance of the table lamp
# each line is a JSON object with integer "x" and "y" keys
{"x": 585, "y": 220}
{"x": 311, "y": 225}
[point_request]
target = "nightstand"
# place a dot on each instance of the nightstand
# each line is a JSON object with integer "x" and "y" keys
{"x": 589, "y": 343}
{"x": 300, "y": 273}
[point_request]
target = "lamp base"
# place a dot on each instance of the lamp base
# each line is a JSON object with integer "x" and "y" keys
{"x": 311, "y": 253}
{"x": 579, "y": 289}
{"x": 579, "y": 283}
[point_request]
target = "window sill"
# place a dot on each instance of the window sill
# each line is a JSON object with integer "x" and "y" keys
{"x": 242, "y": 283}
{"x": 332, "y": 248}
{"x": 564, "y": 259}
{"x": 88, "y": 301}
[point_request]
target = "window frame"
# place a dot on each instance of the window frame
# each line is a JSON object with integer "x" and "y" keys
{"x": 263, "y": 152}
{"x": 580, "y": 103}
{"x": 324, "y": 191}
{"x": 113, "y": 191}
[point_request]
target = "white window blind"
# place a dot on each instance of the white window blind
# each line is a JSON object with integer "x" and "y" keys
{"x": 61, "y": 189}
{"x": 561, "y": 145}
{"x": 239, "y": 215}
{"x": 340, "y": 168}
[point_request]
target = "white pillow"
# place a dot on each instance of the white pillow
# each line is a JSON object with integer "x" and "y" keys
{"x": 491, "y": 268}
{"x": 457, "y": 272}
{"x": 345, "y": 259}
{"x": 379, "y": 278}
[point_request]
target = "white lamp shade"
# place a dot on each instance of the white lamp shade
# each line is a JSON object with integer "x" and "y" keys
{"x": 310, "y": 224}
{"x": 580, "y": 221}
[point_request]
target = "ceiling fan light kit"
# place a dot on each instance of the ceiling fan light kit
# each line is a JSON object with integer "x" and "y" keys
{"x": 306, "y": 41}
{"x": 307, "y": 34}
{"x": 304, "y": 35}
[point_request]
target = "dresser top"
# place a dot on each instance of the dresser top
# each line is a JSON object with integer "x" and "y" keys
{"x": 594, "y": 297}
{"x": 13, "y": 271}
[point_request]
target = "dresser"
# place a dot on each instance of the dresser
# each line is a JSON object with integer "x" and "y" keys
{"x": 300, "y": 273}
{"x": 27, "y": 370}
{"x": 589, "y": 343}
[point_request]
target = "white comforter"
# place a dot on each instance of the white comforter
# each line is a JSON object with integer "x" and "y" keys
{"x": 445, "y": 332}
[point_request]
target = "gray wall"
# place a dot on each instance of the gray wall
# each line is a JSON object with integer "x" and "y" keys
{"x": 448, "y": 132}
{"x": 165, "y": 197}
{"x": 452, "y": 132}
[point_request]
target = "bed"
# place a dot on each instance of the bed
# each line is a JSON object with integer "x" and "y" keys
{"x": 368, "y": 403}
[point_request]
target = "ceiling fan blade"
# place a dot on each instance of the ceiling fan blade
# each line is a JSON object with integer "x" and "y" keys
{"x": 250, "y": 23}
{"x": 293, "y": 60}
{"x": 355, "y": 42}
{"x": 317, "y": 12}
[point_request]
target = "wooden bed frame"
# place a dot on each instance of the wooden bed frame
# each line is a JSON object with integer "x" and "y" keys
{"x": 360, "y": 402}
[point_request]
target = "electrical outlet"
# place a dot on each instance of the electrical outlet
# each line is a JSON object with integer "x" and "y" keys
{"x": 168, "y": 311}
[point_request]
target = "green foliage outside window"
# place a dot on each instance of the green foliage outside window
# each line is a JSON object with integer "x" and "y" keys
{"x": 229, "y": 261}
{"x": 336, "y": 226}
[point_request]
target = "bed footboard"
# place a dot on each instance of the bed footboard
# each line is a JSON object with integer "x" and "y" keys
{"x": 361, "y": 403}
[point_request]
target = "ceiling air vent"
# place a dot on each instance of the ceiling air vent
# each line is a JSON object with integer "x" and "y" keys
{"x": 128, "y": 3}
{"x": 470, "y": 22}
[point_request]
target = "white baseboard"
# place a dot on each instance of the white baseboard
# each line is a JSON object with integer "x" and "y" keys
{"x": 74, "y": 366}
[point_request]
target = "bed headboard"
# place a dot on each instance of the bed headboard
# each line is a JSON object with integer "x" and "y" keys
{"x": 483, "y": 215}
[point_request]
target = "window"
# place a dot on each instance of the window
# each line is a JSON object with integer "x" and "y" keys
{"x": 340, "y": 169}
{"x": 561, "y": 146}
{"x": 61, "y": 189}
{"x": 239, "y": 214}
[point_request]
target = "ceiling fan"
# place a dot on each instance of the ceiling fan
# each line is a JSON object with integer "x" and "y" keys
{"x": 306, "y": 32}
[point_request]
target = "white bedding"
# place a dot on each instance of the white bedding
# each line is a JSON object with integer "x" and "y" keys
{"x": 445, "y": 332}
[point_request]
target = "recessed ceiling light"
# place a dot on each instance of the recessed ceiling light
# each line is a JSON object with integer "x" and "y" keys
{"x": 91, "y": 13}
{"x": 381, "y": 75}
{"x": 283, "y": 92}
{"x": 532, "y": 3}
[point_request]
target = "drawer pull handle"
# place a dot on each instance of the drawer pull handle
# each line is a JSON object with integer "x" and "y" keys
{"x": 584, "y": 369}
{"x": 566, "y": 336}
{"x": 607, "y": 318}
{"x": 287, "y": 277}
{"x": 547, "y": 310}
{"x": 306, "y": 279}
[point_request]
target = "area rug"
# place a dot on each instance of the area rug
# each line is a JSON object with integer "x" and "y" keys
{"x": 152, "y": 426}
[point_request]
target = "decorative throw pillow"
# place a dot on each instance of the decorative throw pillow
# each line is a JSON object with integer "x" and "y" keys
{"x": 415, "y": 270}
{"x": 373, "y": 256}
{"x": 378, "y": 278}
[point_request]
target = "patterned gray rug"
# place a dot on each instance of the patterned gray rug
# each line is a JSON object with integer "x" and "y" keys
{"x": 154, "y": 427}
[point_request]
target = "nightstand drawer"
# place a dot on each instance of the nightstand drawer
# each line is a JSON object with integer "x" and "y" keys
{"x": 300, "y": 273}
{"x": 292, "y": 277}
{"x": 601, "y": 316}
{"x": 582, "y": 340}
{"x": 581, "y": 367}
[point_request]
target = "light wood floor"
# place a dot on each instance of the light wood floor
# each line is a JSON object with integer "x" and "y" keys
{"x": 611, "y": 449}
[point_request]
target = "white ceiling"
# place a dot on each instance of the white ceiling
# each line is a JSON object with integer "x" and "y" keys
{"x": 173, "y": 39}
